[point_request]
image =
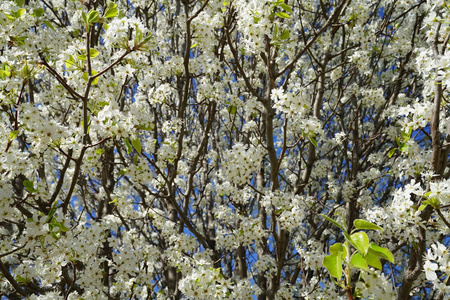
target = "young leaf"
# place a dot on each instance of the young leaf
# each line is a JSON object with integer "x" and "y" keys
{"x": 360, "y": 241}
{"x": 312, "y": 140}
{"x": 406, "y": 135}
{"x": 423, "y": 206}
{"x": 381, "y": 252}
{"x": 363, "y": 224}
{"x": 282, "y": 15}
{"x": 391, "y": 152}
{"x": 333, "y": 264}
{"x": 93, "y": 53}
{"x": 84, "y": 17}
{"x": 110, "y": 4}
{"x": 29, "y": 186}
{"x": 70, "y": 62}
{"x": 49, "y": 25}
{"x": 52, "y": 211}
{"x": 336, "y": 249}
{"x": 331, "y": 220}
{"x": 285, "y": 35}
{"x": 92, "y": 17}
{"x": 127, "y": 143}
{"x": 358, "y": 261}
{"x": 111, "y": 12}
{"x": 13, "y": 135}
{"x": 20, "y": 12}
{"x": 373, "y": 260}
{"x": 232, "y": 109}
{"x": 137, "y": 145}
{"x": 85, "y": 76}
{"x": 95, "y": 80}
{"x": 285, "y": 7}
{"x": 403, "y": 147}
{"x": 38, "y": 12}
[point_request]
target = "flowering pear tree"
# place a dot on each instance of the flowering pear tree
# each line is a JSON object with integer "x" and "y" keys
{"x": 232, "y": 149}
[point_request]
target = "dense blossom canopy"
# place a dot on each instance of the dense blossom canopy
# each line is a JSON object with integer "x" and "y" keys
{"x": 224, "y": 149}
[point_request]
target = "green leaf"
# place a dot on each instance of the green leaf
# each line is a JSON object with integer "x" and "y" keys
{"x": 358, "y": 261}
{"x": 21, "y": 280}
{"x": 285, "y": 7}
{"x": 423, "y": 206}
{"x": 85, "y": 76}
{"x": 332, "y": 221}
{"x": 13, "y": 135}
{"x": 406, "y": 135}
{"x": 19, "y": 2}
{"x": 360, "y": 241}
{"x": 111, "y": 12}
{"x": 381, "y": 252}
{"x": 9, "y": 16}
{"x": 336, "y": 248}
{"x": 82, "y": 57}
{"x": 403, "y": 147}
{"x": 147, "y": 127}
{"x": 127, "y": 143}
{"x": 25, "y": 70}
{"x": 100, "y": 151}
{"x": 363, "y": 224}
{"x": 312, "y": 140}
{"x": 232, "y": 109}
{"x": 110, "y": 4}
{"x": 61, "y": 226}
{"x": 52, "y": 211}
{"x": 282, "y": 15}
{"x": 93, "y": 53}
{"x": 391, "y": 152}
{"x": 373, "y": 260}
{"x": 95, "y": 80}
{"x": 20, "y": 12}
{"x": 92, "y": 17}
{"x": 193, "y": 46}
{"x": 29, "y": 186}
{"x": 434, "y": 202}
{"x": 333, "y": 264}
{"x": 48, "y": 24}
{"x": 147, "y": 38}
{"x": 139, "y": 35}
{"x": 285, "y": 35}
{"x": 20, "y": 40}
{"x": 70, "y": 62}
{"x": 4, "y": 74}
{"x": 137, "y": 145}
{"x": 38, "y": 12}
{"x": 84, "y": 17}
